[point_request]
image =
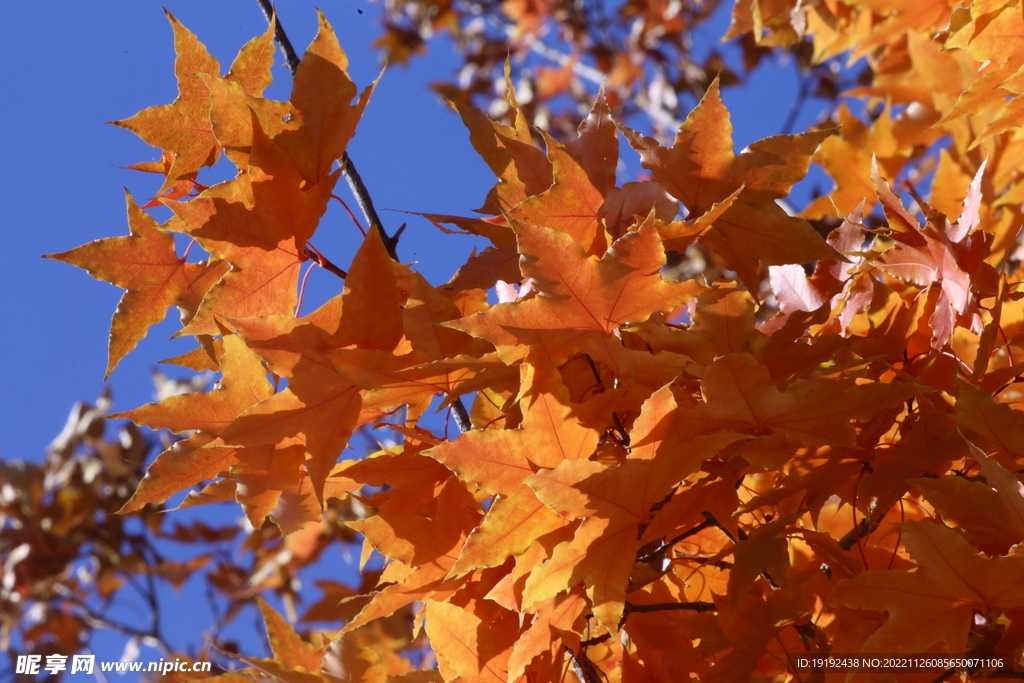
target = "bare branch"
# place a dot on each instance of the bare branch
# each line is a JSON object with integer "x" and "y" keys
{"x": 668, "y": 606}
{"x": 326, "y": 263}
{"x": 584, "y": 669}
{"x": 461, "y": 415}
{"x": 362, "y": 195}
{"x": 290, "y": 56}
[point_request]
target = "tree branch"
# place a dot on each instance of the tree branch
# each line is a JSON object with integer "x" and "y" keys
{"x": 461, "y": 415}
{"x": 624, "y": 435}
{"x": 668, "y": 544}
{"x": 325, "y": 263}
{"x": 596, "y": 640}
{"x": 864, "y": 528}
{"x": 669, "y": 606}
{"x": 362, "y": 195}
{"x": 290, "y": 56}
{"x": 798, "y": 102}
{"x": 584, "y": 669}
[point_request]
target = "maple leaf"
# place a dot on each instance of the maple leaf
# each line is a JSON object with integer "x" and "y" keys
{"x": 427, "y": 548}
{"x": 294, "y": 661}
{"x": 739, "y": 394}
{"x": 424, "y": 310}
{"x": 562, "y": 615}
{"x": 571, "y": 205}
{"x": 935, "y": 603}
{"x": 994, "y": 425}
{"x": 412, "y": 480}
{"x": 330, "y": 372}
{"x": 701, "y": 170}
{"x": 262, "y": 473}
{"x": 920, "y": 255}
{"x": 146, "y": 265}
{"x": 579, "y": 294}
{"x": 597, "y": 145}
{"x": 470, "y": 649}
{"x": 259, "y": 223}
{"x": 183, "y": 465}
{"x": 522, "y": 169}
{"x": 499, "y": 460}
{"x": 184, "y": 127}
{"x": 243, "y": 384}
{"x": 991, "y": 511}
{"x": 323, "y": 118}
{"x": 993, "y": 35}
{"x": 313, "y": 129}
{"x": 603, "y": 551}
{"x": 321, "y": 402}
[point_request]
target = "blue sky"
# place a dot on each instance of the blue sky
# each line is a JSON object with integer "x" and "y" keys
{"x": 67, "y": 68}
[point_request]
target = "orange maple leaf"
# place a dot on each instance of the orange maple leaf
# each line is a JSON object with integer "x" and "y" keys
{"x": 937, "y": 602}
{"x": 701, "y": 170}
{"x": 244, "y": 384}
{"x": 323, "y": 118}
{"x": 597, "y": 145}
{"x": 499, "y": 460}
{"x": 522, "y": 169}
{"x": 579, "y": 294}
{"x": 146, "y": 265}
{"x": 184, "y": 127}
{"x": 739, "y": 394}
{"x": 329, "y": 370}
{"x": 613, "y": 502}
{"x": 469, "y": 648}
{"x": 424, "y": 550}
{"x": 183, "y": 465}
{"x": 259, "y": 223}
{"x": 571, "y": 205}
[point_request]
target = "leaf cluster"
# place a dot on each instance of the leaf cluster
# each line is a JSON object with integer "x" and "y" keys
{"x": 810, "y": 443}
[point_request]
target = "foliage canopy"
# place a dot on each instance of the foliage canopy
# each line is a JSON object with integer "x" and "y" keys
{"x": 706, "y": 433}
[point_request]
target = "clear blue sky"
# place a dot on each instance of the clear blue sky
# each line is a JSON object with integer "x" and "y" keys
{"x": 66, "y": 68}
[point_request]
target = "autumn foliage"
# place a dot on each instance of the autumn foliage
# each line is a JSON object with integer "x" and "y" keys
{"x": 804, "y": 437}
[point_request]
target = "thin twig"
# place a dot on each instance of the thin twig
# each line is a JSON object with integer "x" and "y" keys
{"x": 362, "y": 195}
{"x": 669, "y": 606}
{"x": 864, "y": 528}
{"x": 686, "y": 534}
{"x": 583, "y": 668}
{"x": 596, "y": 640}
{"x": 100, "y": 621}
{"x": 624, "y": 438}
{"x": 325, "y": 263}
{"x": 290, "y": 56}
